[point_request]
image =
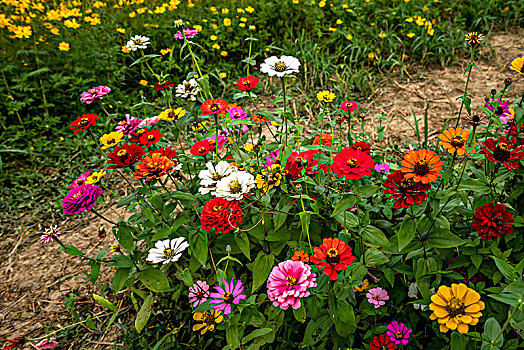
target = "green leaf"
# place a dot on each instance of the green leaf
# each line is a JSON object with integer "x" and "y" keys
{"x": 243, "y": 243}
{"x": 232, "y": 337}
{"x": 345, "y": 323}
{"x": 344, "y": 204}
{"x": 505, "y": 268}
{"x": 143, "y": 315}
{"x": 104, "y": 302}
{"x": 144, "y": 59}
{"x": 198, "y": 242}
{"x": 154, "y": 279}
{"x": 458, "y": 341}
{"x": 183, "y": 196}
{"x": 125, "y": 238}
{"x": 375, "y": 236}
{"x": 300, "y": 313}
{"x": 186, "y": 277}
{"x": 406, "y": 233}
{"x": 261, "y": 268}
{"x": 375, "y": 257}
{"x": 317, "y": 329}
{"x": 120, "y": 278}
{"x": 491, "y": 331}
{"x": 71, "y": 250}
{"x": 255, "y": 334}
{"x": 443, "y": 239}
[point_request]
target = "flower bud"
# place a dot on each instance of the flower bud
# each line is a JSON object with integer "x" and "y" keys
{"x": 252, "y": 28}
{"x": 508, "y": 81}
{"x": 228, "y": 248}
{"x": 493, "y": 92}
{"x": 178, "y": 23}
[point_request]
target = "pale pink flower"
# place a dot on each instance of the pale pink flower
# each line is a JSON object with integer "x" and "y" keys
{"x": 348, "y": 106}
{"x": 49, "y": 234}
{"x": 149, "y": 121}
{"x": 45, "y": 344}
{"x": 94, "y": 93}
{"x": 199, "y": 293}
{"x": 377, "y": 296}
{"x": 288, "y": 282}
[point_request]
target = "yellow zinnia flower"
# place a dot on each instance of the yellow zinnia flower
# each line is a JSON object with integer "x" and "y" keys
{"x": 111, "y": 139}
{"x": 517, "y": 65}
{"x": 172, "y": 114}
{"x": 95, "y": 177}
{"x": 208, "y": 318}
{"x": 269, "y": 177}
{"x": 326, "y": 96}
{"x": 456, "y": 307}
{"x": 143, "y": 82}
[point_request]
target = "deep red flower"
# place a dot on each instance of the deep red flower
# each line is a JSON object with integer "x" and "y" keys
{"x": 514, "y": 131}
{"x": 135, "y": 136}
{"x": 503, "y": 151}
{"x": 201, "y": 148}
{"x": 84, "y": 122}
{"x": 246, "y": 84}
{"x": 362, "y": 146}
{"x": 332, "y": 256}
{"x": 215, "y": 106}
{"x": 492, "y": 221}
{"x": 150, "y": 137}
{"x": 154, "y": 167}
{"x": 164, "y": 85}
{"x": 327, "y": 140}
{"x": 168, "y": 152}
{"x": 221, "y": 214}
{"x": 298, "y": 161}
{"x": 382, "y": 342}
{"x": 340, "y": 119}
{"x": 405, "y": 191}
{"x": 125, "y": 155}
{"x": 352, "y": 164}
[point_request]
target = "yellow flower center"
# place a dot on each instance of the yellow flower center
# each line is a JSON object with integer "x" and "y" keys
{"x": 228, "y": 297}
{"x": 217, "y": 208}
{"x": 455, "y": 307}
{"x": 290, "y": 281}
{"x": 503, "y": 146}
{"x": 458, "y": 141}
{"x": 121, "y": 153}
{"x": 280, "y": 66}
{"x": 235, "y": 187}
{"x": 150, "y": 137}
{"x": 214, "y": 107}
{"x": 84, "y": 121}
{"x": 421, "y": 167}
{"x": 169, "y": 253}
{"x": 351, "y": 162}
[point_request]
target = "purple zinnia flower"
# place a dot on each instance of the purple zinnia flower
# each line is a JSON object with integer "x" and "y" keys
{"x": 382, "y": 168}
{"x": 49, "y": 234}
{"x": 199, "y": 293}
{"x": 503, "y": 107}
{"x": 81, "y": 180}
{"x": 377, "y": 297}
{"x": 189, "y": 33}
{"x": 94, "y": 93}
{"x": 398, "y": 333}
{"x": 273, "y": 158}
{"x": 129, "y": 125}
{"x": 224, "y": 297}
{"x": 81, "y": 198}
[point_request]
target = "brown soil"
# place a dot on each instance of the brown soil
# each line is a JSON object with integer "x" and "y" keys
{"x": 34, "y": 278}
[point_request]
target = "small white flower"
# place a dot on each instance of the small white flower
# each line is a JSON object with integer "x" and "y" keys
{"x": 138, "y": 42}
{"x": 188, "y": 89}
{"x": 210, "y": 176}
{"x": 168, "y": 250}
{"x": 280, "y": 66}
{"x": 178, "y": 23}
{"x": 234, "y": 186}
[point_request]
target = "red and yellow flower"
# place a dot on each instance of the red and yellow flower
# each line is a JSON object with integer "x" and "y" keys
{"x": 332, "y": 256}
{"x": 352, "y": 164}
{"x": 503, "y": 151}
{"x": 154, "y": 167}
{"x": 406, "y": 192}
{"x": 84, "y": 122}
{"x": 201, "y": 148}
{"x": 150, "y": 137}
{"x": 214, "y": 106}
{"x": 221, "y": 215}
{"x": 246, "y": 84}
{"x": 125, "y": 155}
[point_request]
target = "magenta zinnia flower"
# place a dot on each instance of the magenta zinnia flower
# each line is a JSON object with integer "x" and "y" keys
{"x": 129, "y": 125}
{"x": 398, "y": 333}
{"x": 238, "y": 113}
{"x": 348, "y": 106}
{"x": 199, "y": 293}
{"x": 222, "y": 140}
{"x": 288, "y": 282}
{"x": 81, "y": 198}
{"x": 224, "y": 297}
{"x": 94, "y": 93}
{"x": 382, "y": 168}
{"x": 189, "y": 33}
{"x": 273, "y": 158}
{"x": 377, "y": 296}
{"x": 79, "y": 181}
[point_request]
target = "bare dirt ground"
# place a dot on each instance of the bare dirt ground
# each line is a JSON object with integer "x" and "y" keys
{"x": 35, "y": 278}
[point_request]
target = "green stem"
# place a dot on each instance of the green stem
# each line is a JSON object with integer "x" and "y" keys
{"x": 102, "y": 217}
{"x": 285, "y": 108}
{"x": 466, "y": 88}
{"x": 494, "y": 341}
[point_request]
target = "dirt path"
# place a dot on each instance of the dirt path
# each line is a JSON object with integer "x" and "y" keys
{"x": 32, "y": 275}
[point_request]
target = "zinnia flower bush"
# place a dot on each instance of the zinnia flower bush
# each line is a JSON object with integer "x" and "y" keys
{"x": 245, "y": 231}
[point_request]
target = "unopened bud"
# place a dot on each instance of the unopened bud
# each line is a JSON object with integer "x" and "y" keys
{"x": 178, "y": 23}
{"x": 493, "y": 92}
{"x": 508, "y": 81}
{"x": 252, "y": 28}
{"x": 228, "y": 248}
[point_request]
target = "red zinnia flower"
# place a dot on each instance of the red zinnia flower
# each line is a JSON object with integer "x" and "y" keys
{"x": 382, "y": 342}
{"x": 340, "y": 119}
{"x": 492, "y": 221}
{"x": 246, "y": 84}
{"x": 503, "y": 151}
{"x": 215, "y": 106}
{"x": 221, "y": 214}
{"x": 405, "y": 191}
{"x": 150, "y": 137}
{"x": 135, "y": 136}
{"x": 168, "y": 152}
{"x": 297, "y": 161}
{"x": 352, "y": 164}
{"x": 332, "y": 256}
{"x": 84, "y": 122}
{"x": 327, "y": 140}
{"x": 362, "y": 146}
{"x": 125, "y": 155}
{"x": 201, "y": 148}
{"x": 154, "y": 167}
{"x": 164, "y": 85}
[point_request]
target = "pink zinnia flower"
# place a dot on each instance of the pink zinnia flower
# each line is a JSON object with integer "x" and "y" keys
{"x": 377, "y": 297}
{"x": 238, "y": 113}
{"x": 199, "y": 293}
{"x": 81, "y": 198}
{"x": 222, "y": 140}
{"x": 81, "y": 180}
{"x": 288, "y": 282}
{"x": 189, "y": 33}
{"x": 45, "y": 344}
{"x": 94, "y": 93}
{"x": 382, "y": 168}
{"x": 273, "y": 158}
{"x": 49, "y": 234}
{"x": 348, "y": 106}
{"x": 149, "y": 121}
{"x": 398, "y": 333}
{"x": 129, "y": 125}
{"x": 224, "y": 297}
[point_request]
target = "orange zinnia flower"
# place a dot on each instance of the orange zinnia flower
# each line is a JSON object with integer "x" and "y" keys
{"x": 422, "y": 166}
{"x": 454, "y": 140}
{"x": 260, "y": 119}
{"x": 154, "y": 167}
{"x": 327, "y": 140}
{"x": 300, "y": 256}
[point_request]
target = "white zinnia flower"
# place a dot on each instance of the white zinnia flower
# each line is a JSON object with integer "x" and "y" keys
{"x": 234, "y": 186}
{"x": 138, "y": 42}
{"x": 210, "y": 176}
{"x": 280, "y": 66}
{"x": 188, "y": 89}
{"x": 168, "y": 250}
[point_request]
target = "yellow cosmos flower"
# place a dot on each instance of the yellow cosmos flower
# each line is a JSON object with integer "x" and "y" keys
{"x": 242, "y": 25}
{"x": 223, "y": 54}
{"x": 95, "y": 177}
{"x": 143, "y": 82}
{"x": 165, "y": 51}
{"x": 222, "y": 75}
{"x": 132, "y": 14}
{"x": 456, "y": 307}
{"x": 269, "y": 177}
{"x": 339, "y": 21}
{"x": 331, "y": 29}
{"x": 63, "y": 46}
{"x": 411, "y": 35}
{"x": 250, "y": 9}
{"x": 72, "y": 23}
{"x": 216, "y": 46}
{"x": 213, "y": 37}
{"x": 382, "y": 35}
{"x": 20, "y": 32}
{"x": 55, "y": 31}
{"x": 517, "y": 65}
{"x": 239, "y": 10}
{"x": 198, "y": 27}
{"x": 349, "y": 37}
{"x": 227, "y": 22}
{"x": 111, "y": 139}
{"x": 121, "y": 30}
{"x": 172, "y": 114}
{"x": 225, "y": 11}
{"x": 209, "y": 318}
{"x": 326, "y": 96}
{"x": 410, "y": 19}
